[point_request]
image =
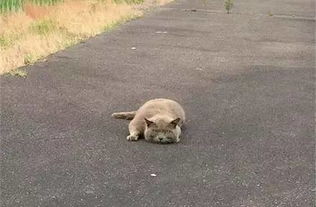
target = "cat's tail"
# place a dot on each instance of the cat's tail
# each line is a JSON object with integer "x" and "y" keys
{"x": 124, "y": 115}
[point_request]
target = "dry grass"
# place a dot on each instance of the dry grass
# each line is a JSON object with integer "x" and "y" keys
{"x": 162, "y": 2}
{"x": 38, "y": 31}
{"x": 151, "y": 3}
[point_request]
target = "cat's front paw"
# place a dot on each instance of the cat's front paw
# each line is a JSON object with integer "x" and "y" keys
{"x": 132, "y": 138}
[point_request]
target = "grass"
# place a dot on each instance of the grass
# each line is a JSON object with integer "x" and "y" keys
{"x": 115, "y": 24}
{"x": 10, "y": 5}
{"x": 16, "y": 5}
{"x": 228, "y": 5}
{"x": 37, "y": 31}
{"x": 43, "y": 27}
{"x": 5, "y": 41}
{"x": 129, "y": 1}
{"x": 18, "y": 72}
{"x": 29, "y": 59}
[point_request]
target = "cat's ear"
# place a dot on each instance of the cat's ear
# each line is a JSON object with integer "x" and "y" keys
{"x": 175, "y": 122}
{"x": 148, "y": 123}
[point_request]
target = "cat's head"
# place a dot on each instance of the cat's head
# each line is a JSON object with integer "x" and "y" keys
{"x": 162, "y": 130}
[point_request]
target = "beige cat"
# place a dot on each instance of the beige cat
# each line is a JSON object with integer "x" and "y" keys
{"x": 158, "y": 120}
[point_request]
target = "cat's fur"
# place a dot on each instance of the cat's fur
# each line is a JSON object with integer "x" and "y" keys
{"x": 158, "y": 120}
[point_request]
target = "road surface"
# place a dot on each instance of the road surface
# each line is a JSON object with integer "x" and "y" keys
{"x": 245, "y": 79}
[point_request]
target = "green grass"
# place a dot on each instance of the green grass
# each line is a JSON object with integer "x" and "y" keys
{"x": 16, "y": 5}
{"x": 129, "y": 1}
{"x": 29, "y": 59}
{"x": 18, "y": 72}
{"x": 115, "y": 24}
{"x": 43, "y": 27}
{"x": 10, "y": 5}
{"x": 44, "y": 2}
{"x": 229, "y": 5}
{"x": 6, "y": 40}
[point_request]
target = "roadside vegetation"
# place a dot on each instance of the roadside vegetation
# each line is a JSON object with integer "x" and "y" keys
{"x": 32, "y": 29}
{"x": 228, "y": 5}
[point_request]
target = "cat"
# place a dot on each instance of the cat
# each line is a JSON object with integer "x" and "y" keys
{"x": 158, "y": 120}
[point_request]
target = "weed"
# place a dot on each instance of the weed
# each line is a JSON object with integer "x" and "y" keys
{"x": 228, "y": 5}
{"x": 43, "y": 27}
{"x": 18, "y": 72}
{"x": 7, "y": 40}
{"x": 204, "y": 2}
{"x": 30, "y": 35}
{"x": 110, "y": 26}
{"x": 129, "y": 1}
{"x": 114, "y": 24}
{"x": 45, "y": 2}
{"x": 29, "y": 59}
{"x": 4, "y": 41}
{"x": 10, "y": 5}
{"x": 15, "y": 5}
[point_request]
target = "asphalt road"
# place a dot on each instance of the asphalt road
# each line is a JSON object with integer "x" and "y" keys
{"x": 246, "y": 81}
